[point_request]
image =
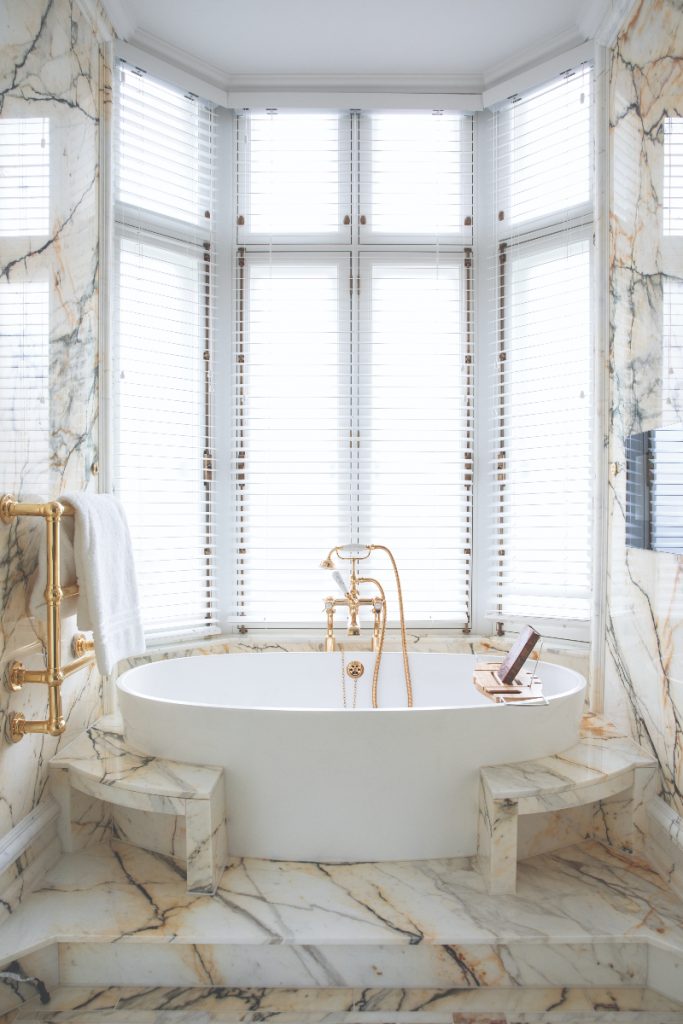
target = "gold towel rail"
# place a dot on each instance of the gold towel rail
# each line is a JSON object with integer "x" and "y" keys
{"x": 54, "y": 674}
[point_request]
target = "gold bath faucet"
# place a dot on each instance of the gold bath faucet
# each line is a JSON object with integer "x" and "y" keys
{"x": 353, "y": 601}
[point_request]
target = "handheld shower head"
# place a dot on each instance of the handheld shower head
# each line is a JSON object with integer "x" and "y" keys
{"x": 341, "y": 583}
{"x": 348, "y": 551}
{"x": 327, "y": 563}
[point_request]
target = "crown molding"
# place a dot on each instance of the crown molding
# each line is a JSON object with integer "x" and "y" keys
{"x": 181, "y": 59}
{"x": 599, "y": 19}
{"x": 250, "y": 82}
{"x": 532, "y": 56}
{"x": 602, "y": 20}
{"x": 121, "y": 17}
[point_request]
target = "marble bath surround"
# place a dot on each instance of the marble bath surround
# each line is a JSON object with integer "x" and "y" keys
{"x": 585, "y": 917}
{"x": 52, "y": 77}
{"x": 644, "y": 662}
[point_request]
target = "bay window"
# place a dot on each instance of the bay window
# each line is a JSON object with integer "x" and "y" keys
{"x": 344, "y": 385}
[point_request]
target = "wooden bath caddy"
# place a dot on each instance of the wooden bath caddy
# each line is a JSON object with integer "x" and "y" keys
{"x": 524, "y": 687}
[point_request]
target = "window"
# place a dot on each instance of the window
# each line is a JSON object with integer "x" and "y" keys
{"x": 543, "y": 436}
{"x": 353, "y": 391}
{"x": 163, "y": 323}
{"x": 670, "y": 320}
{"x": 346, "y": 405}
{"x": 24, "y": 305}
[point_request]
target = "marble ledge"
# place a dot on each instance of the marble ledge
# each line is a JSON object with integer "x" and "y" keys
{"x": 602, "y": 754}
{"x": 100, "y": 765}
{"x": 573, "y": 654}
{"x": 101, "y": 755}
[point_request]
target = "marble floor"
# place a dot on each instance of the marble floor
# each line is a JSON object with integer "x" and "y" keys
{"x": 585, "y": 917}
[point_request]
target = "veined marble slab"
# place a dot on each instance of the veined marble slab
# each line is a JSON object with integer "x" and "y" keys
{"x": 586, "y": 897}
{"x": 373, "y": 1003}
{"x": 594, "y": 759}
{"x": 102, "y": 765}
{"x": 102, "y": 755}
{"x": 604, "y": 769}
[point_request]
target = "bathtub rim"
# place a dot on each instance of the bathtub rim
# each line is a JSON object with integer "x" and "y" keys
{"x": 580, "y": 684}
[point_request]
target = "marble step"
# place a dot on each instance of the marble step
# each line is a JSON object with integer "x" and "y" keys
{"x": 194, "y": 1016}
{"x": 141, "y": 1005}
{"x": 101, "y": 764}
{"x": 600, "y": 765}
{"x": 605, "y": 769}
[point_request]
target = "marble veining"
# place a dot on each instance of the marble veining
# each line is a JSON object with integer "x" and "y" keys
{"x": 644, "y": 664}
{"x": 232, "y": 1005}
{"x": 604, "y": 769}
{"x": 51, "y": 70}
{"x": 100, "y": 765}
{"x": 585, "y": 894}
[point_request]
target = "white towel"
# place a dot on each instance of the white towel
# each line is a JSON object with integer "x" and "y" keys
{"x": 96, "y": 542}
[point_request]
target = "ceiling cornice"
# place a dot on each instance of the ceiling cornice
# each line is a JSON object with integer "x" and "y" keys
{"x": 427, "y": 83}
{"x": 527, "y": 58}
{"x": 602, "y": 20}
{"x": 123, "y": 19}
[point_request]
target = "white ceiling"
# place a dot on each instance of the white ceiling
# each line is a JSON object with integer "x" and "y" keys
{"x": 374, "y": 41}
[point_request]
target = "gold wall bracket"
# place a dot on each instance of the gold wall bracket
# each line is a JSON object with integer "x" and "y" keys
{"x": 54, "y": 673}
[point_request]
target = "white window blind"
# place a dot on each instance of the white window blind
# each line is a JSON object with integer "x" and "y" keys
{"x": 294, "y": 176}
{"x": 542, "y": 459}
{"x": 164, "y": 145}
{"x": 672, "y": 205}
{"x": 24, "y": 386}
{"x": 24, "y": 176}
{"x": 671, "y": 257}
{"x": 352, "y": 386}
{"x": 415, "y": 176}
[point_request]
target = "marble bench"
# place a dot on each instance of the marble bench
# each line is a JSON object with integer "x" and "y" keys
{"x": 605, "y": 768}
{"x": 101, "y": 765}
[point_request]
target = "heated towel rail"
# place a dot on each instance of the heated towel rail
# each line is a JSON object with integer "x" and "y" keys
{"x": 54, "y": 673}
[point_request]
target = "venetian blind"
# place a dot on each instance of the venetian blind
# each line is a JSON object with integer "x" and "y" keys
{"x": 352, "y": 390}
{"x": 24, "y": 306}
{"x": 164, "y": 144}
{"x": 542, "y": 460}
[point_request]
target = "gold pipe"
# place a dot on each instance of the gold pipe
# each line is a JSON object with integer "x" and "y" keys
{"x": 353, "y": 601}
{"x": 404, "y": 639}
{"x": 53, "y": 674}
{"x": 382, "y": 630}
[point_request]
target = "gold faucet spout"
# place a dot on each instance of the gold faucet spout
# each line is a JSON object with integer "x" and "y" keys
{"x": 353, "y": 601}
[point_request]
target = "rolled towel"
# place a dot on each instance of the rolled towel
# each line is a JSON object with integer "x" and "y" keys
{"x": 96, "y": 542}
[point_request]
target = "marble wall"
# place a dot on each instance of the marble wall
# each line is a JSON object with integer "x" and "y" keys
{"x": 52, "y": 81}
{"x": 644, "y": 666}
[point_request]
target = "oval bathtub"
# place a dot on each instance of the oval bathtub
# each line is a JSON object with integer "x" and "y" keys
{"x": 307, "y": 779}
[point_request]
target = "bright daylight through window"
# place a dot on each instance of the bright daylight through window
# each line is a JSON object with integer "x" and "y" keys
{"x": 336, "y": 402}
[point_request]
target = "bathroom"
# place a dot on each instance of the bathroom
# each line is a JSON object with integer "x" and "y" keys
{"x": 376, "y": 207}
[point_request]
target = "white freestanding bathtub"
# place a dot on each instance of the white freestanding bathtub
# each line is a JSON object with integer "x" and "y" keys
{"x": 309, "y": 780}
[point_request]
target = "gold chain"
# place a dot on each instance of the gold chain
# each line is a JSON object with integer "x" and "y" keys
{"x": 343, "y": 683}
